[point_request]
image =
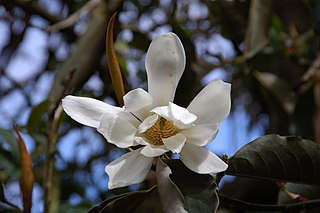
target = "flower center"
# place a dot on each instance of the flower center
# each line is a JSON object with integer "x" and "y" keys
{"x": 161, "y": 129}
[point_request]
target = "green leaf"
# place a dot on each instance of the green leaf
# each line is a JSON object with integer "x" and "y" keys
{"x": 4, "y": 208}
{"x": 9, "y": 137}
{"x": 123, "y": 203}
{"x": 36, "y": 115}
{"x": 198, "y": 190}
{"x": 66, "y": 207}
{"x": 170, "y": 196}
{"x": 11, "y": 166}
{"x": 279, "y": 158}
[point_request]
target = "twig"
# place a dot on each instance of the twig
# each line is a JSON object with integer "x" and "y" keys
{"x": 74, "y": 17}
{"x": 52, "y": 134}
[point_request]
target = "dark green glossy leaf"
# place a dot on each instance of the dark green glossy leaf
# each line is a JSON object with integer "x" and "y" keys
{"x": 170, "y": 195}
{"x": 4, "y": 208}
{"x": 279, "y": 158}
{"x": 123, "y": 203}
{"x": 198, "y": 190}
{"x": 66, "y": 207}
{"x": 36, "y": 115}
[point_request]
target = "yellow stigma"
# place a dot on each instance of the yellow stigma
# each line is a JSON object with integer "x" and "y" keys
{"x": 161, "y": 129}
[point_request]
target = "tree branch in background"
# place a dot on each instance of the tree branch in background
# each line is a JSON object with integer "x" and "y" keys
{"x": 71, "y": 20}
{"x": 258, "y": 27}
{"x": 34, "y": 8}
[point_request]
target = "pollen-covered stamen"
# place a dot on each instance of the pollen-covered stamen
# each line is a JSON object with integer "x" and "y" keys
{"x": 161, "y": 129}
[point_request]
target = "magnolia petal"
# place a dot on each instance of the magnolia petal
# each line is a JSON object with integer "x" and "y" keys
{"x": 153, "y": 151}
{"x": 139, "y": 102}
{"x": 201, "y": 160}
{"x": 212, "y": 104}
{"x": 132, "y": 118}
{"x": 165, "y": 63}
{"x": 130, "y": 168}
{"x": 163, "y": 111}
{"x": 181, "y": 114}
{"x": 87, "y": 111}
{"x": 175, "y": 142}
{"x": 117, "y": 130}
{"x": 141, "y": 141}
{"x": 200, "y": 135}
{"x": 147, "y": 123}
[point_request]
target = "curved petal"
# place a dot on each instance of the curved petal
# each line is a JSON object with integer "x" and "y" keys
{"x": 181, "y": 117}
{"x": 141, "y": 141}
{"x": 87, "y": 111}
{"x": 153, "y": 151}
{"x": 130, "y": 168}
{"x": 165, "y": 63}
{"x": 212, "y": 104}
{"x": 200, "y": 135}
{"x": 201, "y": 160}
{"x": 130, "y": 117}
{"x": 175, "y": 142}
{"x": 181, "y": 114}
{"x": 147, "y": 123}
{"x": 139, "y": 102}
{"x": 163, "y": 111}
{"x": 117, "y": 130}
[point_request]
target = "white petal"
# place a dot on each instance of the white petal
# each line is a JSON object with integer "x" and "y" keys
{"x": 181, "y": 117}
{"x": 181, "y": 114}
{"x": 147, "y": 123}
{"x": 138, "y": 102}
{"x": 175, "y": 142}
{"x": 153, "y": 151}
{"x": 165, "y": 62}
{"x": 200, "y": 135}
{"x": 87, "y": 111}
{"x": 201, "y": 160}
{"x": 141, "y": 141}
{"x": 117, "y": 130}
{"x": 212, "y": 104}
{"x": 130, "y": 168}
{"x": 130, "y": 117}
{"x": 163, "y": 111}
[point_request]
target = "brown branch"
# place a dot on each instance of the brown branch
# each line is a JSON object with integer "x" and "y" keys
{"x": 35, "y": 8}
{"x": 258, "y": 26}
{"x": 71, "y": 20}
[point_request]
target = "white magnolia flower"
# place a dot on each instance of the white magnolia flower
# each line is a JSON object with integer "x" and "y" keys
{"x": 151, "y": 119}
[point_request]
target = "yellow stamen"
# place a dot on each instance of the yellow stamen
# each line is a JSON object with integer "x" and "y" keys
{"x": 161, "y": 129}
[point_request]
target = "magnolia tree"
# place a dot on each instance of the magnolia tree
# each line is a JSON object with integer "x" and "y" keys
{"x": 165, "y": 164}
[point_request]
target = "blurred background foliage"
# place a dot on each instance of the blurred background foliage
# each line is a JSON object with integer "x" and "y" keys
{"x": 268, "y": 50}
